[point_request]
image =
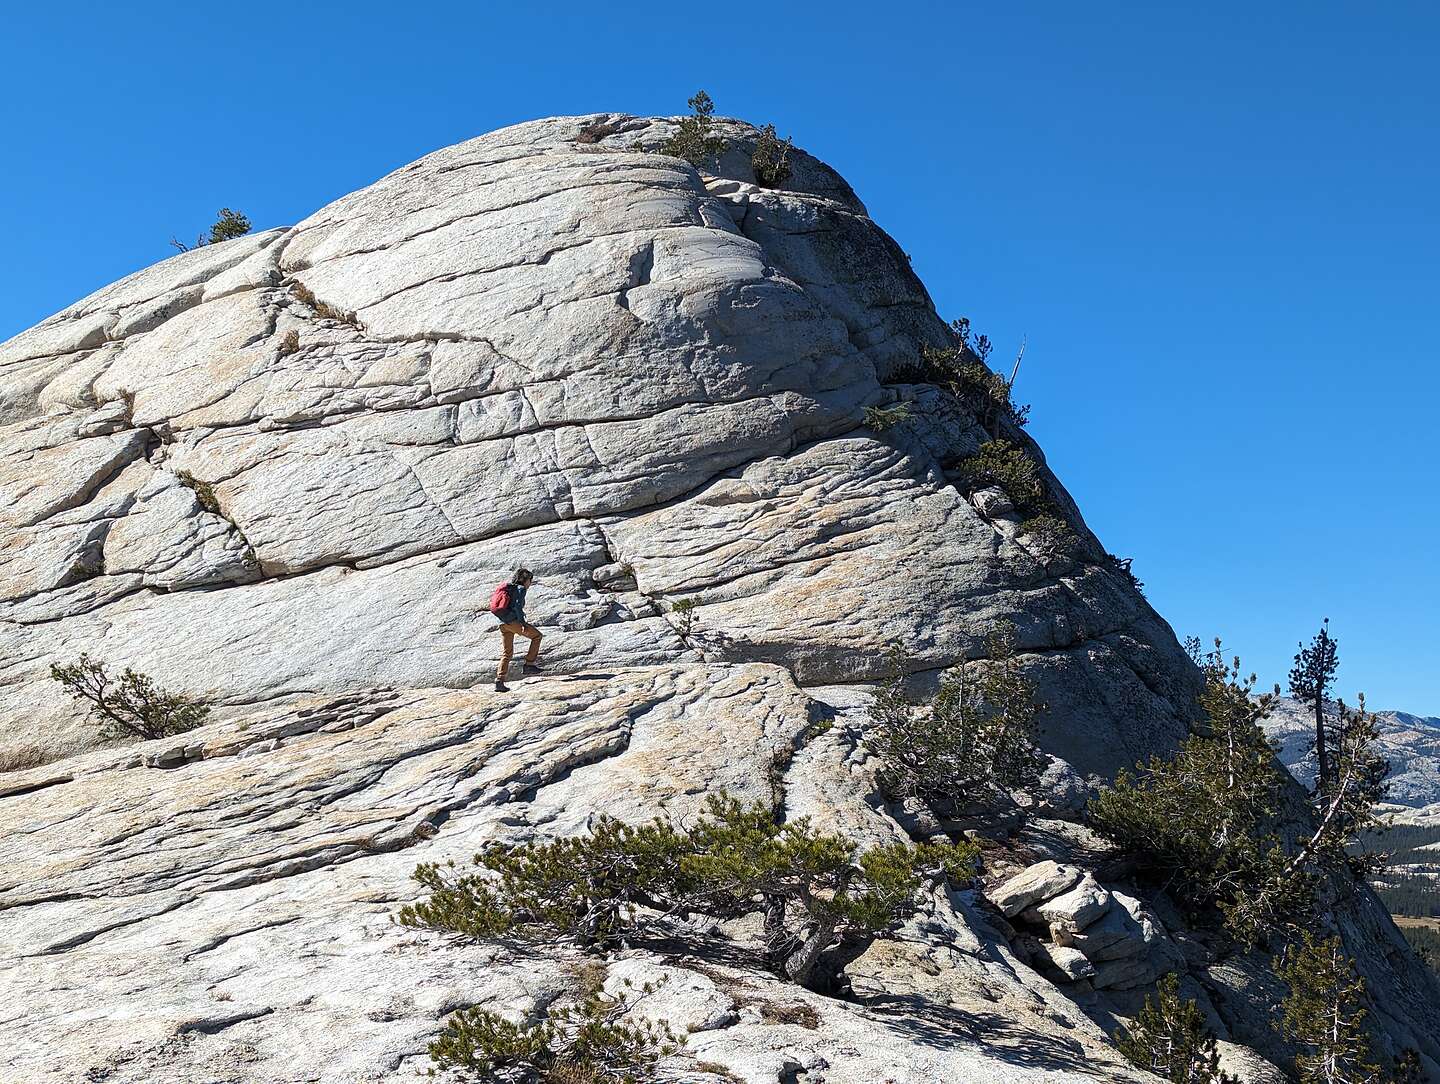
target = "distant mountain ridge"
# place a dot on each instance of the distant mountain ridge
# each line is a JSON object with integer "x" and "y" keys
{"x": 1410, "y": 742}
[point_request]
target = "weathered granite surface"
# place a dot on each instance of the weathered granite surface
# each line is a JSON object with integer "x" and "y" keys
{"x": 283, "y": 473}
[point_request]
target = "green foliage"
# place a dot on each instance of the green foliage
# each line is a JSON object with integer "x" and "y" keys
{"x": 1169, "y": 1038}
{"x": 771, "y": 158}
{"x": 1043, "y": 529}
{"x": 1324, "y": 1012}
{"x": 585, "y": 887}
{"x": 1202, "y": 818}
{"x": 736, "y": 859}
{"x": 204, "y": 491}
{"x": 229, "y": 225}
{"x": 1310, "y": 681}
{"x": 883, "y": 418}
{"x": 1124, "y": 567}
{"x": 1425, "y": 941}
{"x": 1000, "y": 463}
{"x": 132, "y": 706}
{"x": 1345, "y": 801}
{"x": 1207, "y": 819}
{"x": 588, "y": 1043}
{"x": 973, "y": 741}
{"x": 684, "y": 611}
{"x": 961, "y": 369}
{"x": 1046, "y": 532}
{"x": 693, "y": 140}
{"x": 742, "y": 854}
{"x": 1408, "y": 1069}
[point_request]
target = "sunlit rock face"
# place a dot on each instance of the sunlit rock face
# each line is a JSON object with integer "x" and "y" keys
{"x": 283, "y": 474}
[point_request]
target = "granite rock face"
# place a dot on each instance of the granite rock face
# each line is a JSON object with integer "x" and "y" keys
{"x": 284, "y": 473}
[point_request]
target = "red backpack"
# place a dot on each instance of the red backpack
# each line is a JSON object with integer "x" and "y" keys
{"x": 500, "y": 599}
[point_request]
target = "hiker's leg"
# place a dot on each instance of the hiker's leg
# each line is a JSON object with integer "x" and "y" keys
{"x": 535, "y": 638}
{"x": 507, "y": 650}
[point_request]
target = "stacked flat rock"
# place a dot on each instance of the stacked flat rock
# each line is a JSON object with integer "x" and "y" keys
{"x": 1090, "y": 932}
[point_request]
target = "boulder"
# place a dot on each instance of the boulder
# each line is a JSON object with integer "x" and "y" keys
{"x": 1078, "y": 908}
{"x": 1042, "y": 881}
{"x": 1069, "y": 963}
{"x": 992, "y": 503}
{"x": 1127, "y": 973}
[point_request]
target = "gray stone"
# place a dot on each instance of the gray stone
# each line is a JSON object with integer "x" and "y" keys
{"x": 1246, "y": 1066}
{"x": 1078, "y": 908}
{"x": 992, "y": 503}
{"x": 1042, "y": 881}
{"x": 1070, "y": 963}
{"x": 1127, "y": 973}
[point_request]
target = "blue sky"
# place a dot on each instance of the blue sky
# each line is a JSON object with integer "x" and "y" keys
{"x": 1218, "y": 228}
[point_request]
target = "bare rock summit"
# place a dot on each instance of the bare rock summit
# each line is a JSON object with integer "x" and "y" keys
{"x": 283, "y": 474}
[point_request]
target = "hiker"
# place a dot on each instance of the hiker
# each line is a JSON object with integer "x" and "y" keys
{"x": 508, "y": 605}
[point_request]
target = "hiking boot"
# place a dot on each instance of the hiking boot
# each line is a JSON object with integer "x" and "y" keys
{"x": 533, "y": 668}
{"x": 500, "y": 687}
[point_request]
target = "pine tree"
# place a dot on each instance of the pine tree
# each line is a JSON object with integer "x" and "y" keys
{"x": 1310, "y": 681}
{"x": 1207, "y": 818}
{"x": 596, "y": 890}
{"x": 771, "y": 158}
{"x": 1325, "y": 1013}
{"x": 1202, "y": 819}
{"x": 973, "y": 741}
{"x": 1170, "y": 1039}
{"x": 692, "y": 140}
{"x": 228, "y": 226}
{"x": 131, "y": 705}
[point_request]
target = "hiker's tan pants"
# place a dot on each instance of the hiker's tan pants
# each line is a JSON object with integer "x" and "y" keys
{"x": 508, "y": 632}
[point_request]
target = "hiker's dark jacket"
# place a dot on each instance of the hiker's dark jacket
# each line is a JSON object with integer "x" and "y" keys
{"x": 515, "y": 612}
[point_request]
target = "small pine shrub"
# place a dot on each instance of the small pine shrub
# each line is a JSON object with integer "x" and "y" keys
{"x": 585, "y": 887}
{"x": 771, "y": 158}
{"x": 961, "y": 370}
{"x": 734, "y": 860}
{"x": 1324, "y": 1013}
{"x": 1408, "y": 1069}
{"x": 684, "y": 611}
{"x": 693, "y": 140}
{"x": 230, "y": 225}
{"x": 1000, "y": 463}
{"x": 882, "y": 418}
{"x": 588, "y": 1043}
{"x": 1123, "y": 566}
{"x": 134, "y": 705}
{"x": 1046, "y": 533}
{"x": 1169, "y": 1038}
{"x": 972, "y": 742}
